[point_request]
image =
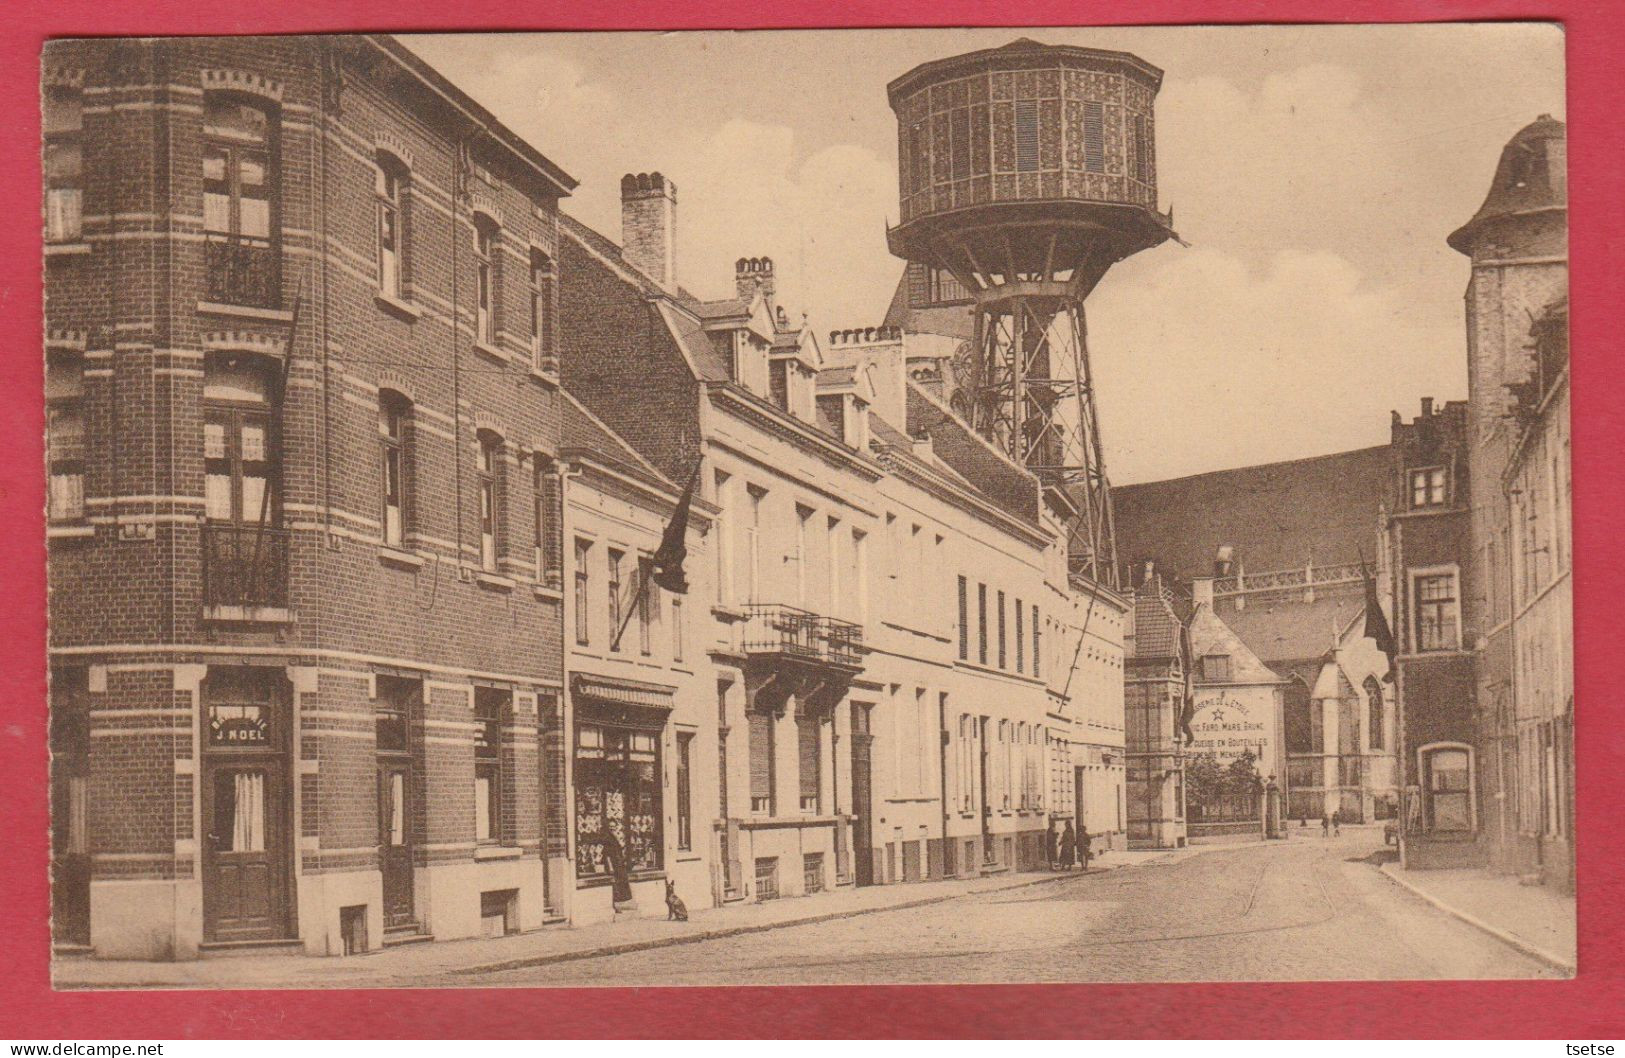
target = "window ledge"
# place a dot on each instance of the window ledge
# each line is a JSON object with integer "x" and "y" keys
{"x": 246, "y": 312}
{"x": 498, "y": 852}
{"x": 249, "y": 614}
{"x": 494, "y": 581}
{"x": 542, "y": 591}
{"x": 490, "y": 350}
{"x": 398, "y": 306}
{"x": 66, "y": 249}
{"x": 545, "y": 377}
{"x": 728, "y": 614}
{"x": 70, "y": 532}
{"x": 396, "y": 557}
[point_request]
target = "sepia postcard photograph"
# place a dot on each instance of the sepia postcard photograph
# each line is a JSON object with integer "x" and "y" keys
{"x": 934, "y": 506}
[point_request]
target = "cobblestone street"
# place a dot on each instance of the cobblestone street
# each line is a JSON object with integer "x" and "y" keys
{"x": 1306, "y": 909}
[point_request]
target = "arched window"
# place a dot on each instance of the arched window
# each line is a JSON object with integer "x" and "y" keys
{"x": 395, "y": 463}
{"x": 241, "y": 190}
{"x": 1299, "y": 718}
{"x": 490, "y": 480}
{"x": 486, "y": 275}
{"x": 540, "y": 293}
{"x": 1374, "y": 714}
{"x": 1447, "y": 787}
{"x": 392, "y": 184}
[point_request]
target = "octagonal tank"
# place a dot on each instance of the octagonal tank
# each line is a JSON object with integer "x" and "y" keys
{"x": 1023, "y": 157}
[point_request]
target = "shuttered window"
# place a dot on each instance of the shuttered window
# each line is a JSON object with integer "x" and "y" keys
{"x": 1026, "y": 135}
{"x": 761, "y": 762}
{"x": 807, "y": 731}
{"x": 1094, "y": 139}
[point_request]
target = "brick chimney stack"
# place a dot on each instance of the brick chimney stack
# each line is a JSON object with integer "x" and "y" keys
{"x": 649, "y": 226}
{"x": 752, "y": 274}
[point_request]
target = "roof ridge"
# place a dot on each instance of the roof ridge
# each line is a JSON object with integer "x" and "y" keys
{"x": 1257, "y": 466}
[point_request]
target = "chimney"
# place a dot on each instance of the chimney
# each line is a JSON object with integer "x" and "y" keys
{"x": 1223, "y": 560}
{"x": 649, "y": 226}
{"x": 1202, "y": 592}
{"x": 752, "y": 274}
{"x": 1427, "y": 407}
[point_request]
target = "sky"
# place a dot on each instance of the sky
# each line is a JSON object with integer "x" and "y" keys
{"x": 1313, "y": 172}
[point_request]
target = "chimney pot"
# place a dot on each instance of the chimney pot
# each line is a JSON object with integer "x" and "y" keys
{"x": 649, "y": 226}
{"x": 1427, "y": 407}
{"x": 752, "y": 274}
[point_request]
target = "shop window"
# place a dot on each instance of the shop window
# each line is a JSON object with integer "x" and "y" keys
{"x": 618, "y": 799}
{"x": 685, "y": 795}
{"x": 1447, "y": 788}
{"x": 394, "y": 419}
{"x": 64, "y": 164}
{"x": 1437, "y": 612}
{"x": 391, "y": 185}
{"x": 490, "y": 708}
{"x": 241, "y": 191}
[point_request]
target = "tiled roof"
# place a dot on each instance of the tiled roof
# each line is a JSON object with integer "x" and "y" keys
{"x": 1155, "y": 625}
{"x": 1009, "y": 487}
{"x": 1322, "y": 510}
{"x": 711, "y": 310}
{"x": 837, "y": 376}
{"x": 1284, "y": 634}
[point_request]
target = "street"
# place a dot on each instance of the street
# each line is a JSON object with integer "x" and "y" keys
{"x": 1309, "y": 908}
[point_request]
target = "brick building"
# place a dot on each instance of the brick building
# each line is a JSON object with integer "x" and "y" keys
{"x": 303, "y": 418}
{"x": 1517, "y": 243}
{"x": 1158, "y": 663}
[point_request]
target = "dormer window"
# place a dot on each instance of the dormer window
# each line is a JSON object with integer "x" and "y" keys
{"x": 1428, "y": 487}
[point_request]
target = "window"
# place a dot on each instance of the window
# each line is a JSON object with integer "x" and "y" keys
{"x": 394, "y": 412}
{"x": 834, "y": 572}
{"x": 1026, "y": 135}
{"x": 485, "y": 279}
{"x": 803, "y": 515}
{"x": 615, "y": 559}
{"x": 65, "y": 437}
{"x": 677, "y": 628}
{"x": 1447, "y": 788}
{"x": 753, "y": 542}
{"x": 390, "y": 186}
{"x": 767, "y": 878}
{"x": 1376, "y": 722}
{"x": 812, "y": 872}
{"x": 239, "y": 453}
{"x": 944, "y": 288}
{"x": 1139, "y": 158}
{"x": 860, "y": 565}
{"x": 646, "y": 605}
{"x": 489, "y": 706}
{"x": 64, "y": 164}
{"x": 542, "y": 501}
{"x": 778, "y": 383}
{"x": 964, "y": 619}
{"x": 723, "y": 808}
{"x": 1428, "y": 487}
{"x": 490, "y": 480}
{"x": 685, "y": 781}
{"x": 1094, "y": 144}
{"x": 981, "y": 623}
{"x": 810, "y": 757}
{"x": 242, "y": 262}
{"x": 1001, "y": 630}
{"x": 583, "y": 604}
{"x": 540, "y": 293}
{"x": 721, "y": 494}
{"x": 1021, "y": 646}
{"x": 761, "y": 762}
{"x": 617, "y": 791}
{"x": 1436, "y": 612}
{"x": 1216, "y": 668}
{"x": 1036, "y": 642}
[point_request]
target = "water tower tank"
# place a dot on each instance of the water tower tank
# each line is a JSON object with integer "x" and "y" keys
{"x": 1025, "y": 173}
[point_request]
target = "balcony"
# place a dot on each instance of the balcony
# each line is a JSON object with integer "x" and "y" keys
{"x": 774, "y": 629}
{"x": 242, "y": 271}
{"x": 245, "y": 572}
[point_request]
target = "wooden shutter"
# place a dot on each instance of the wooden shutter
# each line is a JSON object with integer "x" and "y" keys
{"x": 1094, "y": 139}
{"x": 807, "y": 736}
{"x": 761, "y": 754}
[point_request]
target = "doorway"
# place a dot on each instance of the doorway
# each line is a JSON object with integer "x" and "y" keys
{"x": 244, "y": 890}
{"x": 862, "y": 826}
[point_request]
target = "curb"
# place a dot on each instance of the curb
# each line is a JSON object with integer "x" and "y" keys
{"x": 1510, "y": 940}
{"x": 736, "y": 931}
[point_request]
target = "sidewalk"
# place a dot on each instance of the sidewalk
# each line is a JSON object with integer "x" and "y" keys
{"x": 397, "y": 966}
{"x": 1530, "y": 918}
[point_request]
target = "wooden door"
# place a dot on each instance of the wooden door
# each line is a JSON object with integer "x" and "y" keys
{"x": 395, "y": 850}
{"x": 244, "y": 870}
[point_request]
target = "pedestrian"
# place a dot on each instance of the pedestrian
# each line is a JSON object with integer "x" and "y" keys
{"x": 1325, "y": 825}
{"x": 1085, "y": 850}
{"x": 1052, "y": 844}
{"x": 1337, "y": 823}
{"x": 1069, "y": 847}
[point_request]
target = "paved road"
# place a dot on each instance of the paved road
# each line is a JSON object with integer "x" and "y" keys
{"x": 1306, "y": 909}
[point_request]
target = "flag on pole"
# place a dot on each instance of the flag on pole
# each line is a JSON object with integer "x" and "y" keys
{"x": 1376, "y": 622}
{"x": 1187, "y": 703}
{"x": 667, "y": 564}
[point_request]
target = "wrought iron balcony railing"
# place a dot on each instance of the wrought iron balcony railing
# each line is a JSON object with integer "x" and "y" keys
{"x": 773, "y": 628}
{"x": 242, "y": 271}
{"x": 245, "y": 565}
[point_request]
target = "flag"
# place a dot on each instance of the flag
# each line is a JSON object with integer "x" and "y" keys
{"x": 667, "y": 564}
{"x": 1376, "y": 623}
{"x": 1187, "y": 702}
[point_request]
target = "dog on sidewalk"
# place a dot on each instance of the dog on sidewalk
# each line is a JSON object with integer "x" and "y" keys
{"x": 676, "y": 910}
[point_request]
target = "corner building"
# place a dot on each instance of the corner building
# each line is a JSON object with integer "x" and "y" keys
{"x": 304, "y": 629}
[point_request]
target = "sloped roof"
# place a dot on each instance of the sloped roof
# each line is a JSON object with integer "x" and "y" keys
{"x": 721, "y": 308}
{"x": 1285, "y": 633}
{"x": 837, "y": 376}
{"x": 1153, "y": 622}
{"x": 580, "y": 429}
{"x": 1009, "y": 487}
{"x": 1210, "y": 634}
{"x": 1322, "y": 510}
{"x": 1525, "y": 179}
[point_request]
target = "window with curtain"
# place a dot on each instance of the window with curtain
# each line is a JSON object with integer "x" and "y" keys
{"x": 239, "y": 440}
{"x": 618, "y": 798}
{"x": 241, "y": 191}
{"x": 63, "y": 118}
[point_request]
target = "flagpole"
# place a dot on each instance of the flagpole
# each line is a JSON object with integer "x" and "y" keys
{"x": 643, "y": 587}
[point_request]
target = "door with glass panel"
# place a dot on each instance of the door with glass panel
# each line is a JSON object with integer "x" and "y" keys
{"x": 395, "y": 840}
{"x": 243, "y": 891}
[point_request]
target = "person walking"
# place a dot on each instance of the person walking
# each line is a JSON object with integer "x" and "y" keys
{"x": 1052, "y": 843}
{"x": 1337, "y": 823}
{"x": 1085, "y": 847}
{"x": 1069, "y": 847}
{"x": 1325, "y": 825}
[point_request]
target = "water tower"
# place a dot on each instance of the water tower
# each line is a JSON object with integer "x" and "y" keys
{"x": 1025, "y": 173}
